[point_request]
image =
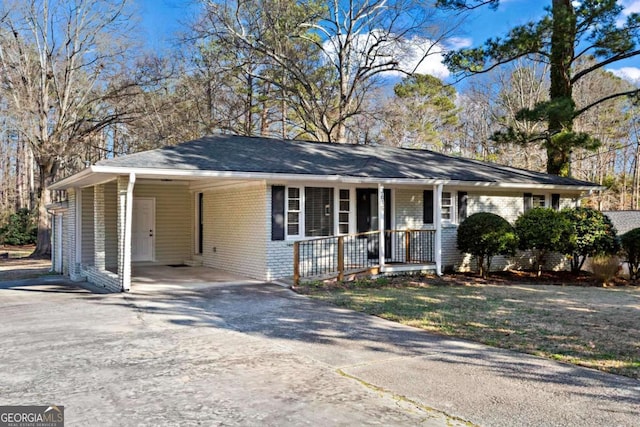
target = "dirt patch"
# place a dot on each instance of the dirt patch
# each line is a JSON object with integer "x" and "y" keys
{"x": 16, "y": 264}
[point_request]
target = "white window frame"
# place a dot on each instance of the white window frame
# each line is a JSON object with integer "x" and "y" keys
{"x": 300, "y": 212}
{"x": 454, "y": 208}
{"x": 545, "y": 198}
{"x": 336, "y": 209}
{"x": 339, "y": 211}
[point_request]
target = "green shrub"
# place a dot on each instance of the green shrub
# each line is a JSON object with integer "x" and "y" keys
{"x": 485, "y": 235}
{"x": 630, "y": 242}
{"x": 544, "y": 230}
{"x": 20, "y": 229}
{"x": 605, "y": 268}
{"x": 593, "y": 234}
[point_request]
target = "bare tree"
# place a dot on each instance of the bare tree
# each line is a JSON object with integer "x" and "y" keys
{"x": 57, "y": 60}
{"x": 331, "y": 54}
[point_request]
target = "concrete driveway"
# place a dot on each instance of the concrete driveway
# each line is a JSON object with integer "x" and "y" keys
{"x": 256, "y": 354}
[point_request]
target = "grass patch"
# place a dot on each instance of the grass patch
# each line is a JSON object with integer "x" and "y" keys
{"x": 587, "y": 326}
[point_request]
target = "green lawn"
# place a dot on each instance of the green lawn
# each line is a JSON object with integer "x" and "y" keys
{"x": 589, "y": 326}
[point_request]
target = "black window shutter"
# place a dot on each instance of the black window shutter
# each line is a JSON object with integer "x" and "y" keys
{"x": 277, "y": 212}
{"x": 555, "y": 202}
{"x": 528, "y": 201}
{"x": 462, "y": 206}
{"x": 427, "y": 214}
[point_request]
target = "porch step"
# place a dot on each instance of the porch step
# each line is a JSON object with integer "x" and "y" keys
{"x": 193, "y": 262}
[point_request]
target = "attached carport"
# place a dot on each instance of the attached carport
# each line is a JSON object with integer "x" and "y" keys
{"x": 162, "y": 277}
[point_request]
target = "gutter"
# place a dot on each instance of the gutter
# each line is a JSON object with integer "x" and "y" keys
{"x": 260, "y": 176}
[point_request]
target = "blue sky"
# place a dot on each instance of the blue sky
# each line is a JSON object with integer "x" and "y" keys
{"x": 161, "y": 19}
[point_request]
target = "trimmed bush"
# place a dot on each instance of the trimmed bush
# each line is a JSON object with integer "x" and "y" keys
{"x": 630, "y": 242}
{"x": 543, "y": 231}
{"x": 485, "y": 235}
{"x": 594, "y": 234}
{"x": 20, "y": 230}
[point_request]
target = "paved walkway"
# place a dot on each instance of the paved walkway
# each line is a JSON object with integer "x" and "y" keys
{"x": 259, "y": 354}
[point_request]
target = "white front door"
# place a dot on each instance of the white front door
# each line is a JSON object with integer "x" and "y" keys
{"x": 143, "y": 229}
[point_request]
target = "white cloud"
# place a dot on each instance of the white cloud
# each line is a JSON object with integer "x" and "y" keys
{"x": 416, "y": 55}
{"x": 423, "y": 57}
{"x": 629, "y": 7}
{"x": 459, "y": 42}
{"x": 631, "y": 74}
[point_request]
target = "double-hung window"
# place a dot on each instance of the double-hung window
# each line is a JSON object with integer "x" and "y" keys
{"x": 343, "y": 211}
{"x": 538, "y": 200}
{"x": 447, "y": 206}
{"x": 293, "y": 211}
{"x": 318, "y": 211}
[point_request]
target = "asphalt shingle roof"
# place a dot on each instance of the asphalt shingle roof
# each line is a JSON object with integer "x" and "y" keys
{"x": 624, "y": 221}
{"x": 228, "y": 153}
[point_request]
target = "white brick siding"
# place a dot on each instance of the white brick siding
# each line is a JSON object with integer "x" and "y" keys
{"x": 111, "y": 226}
{"x": 234, "y": 224}
{"x": 409, "y": 209}
{"x": 86, "y": 228}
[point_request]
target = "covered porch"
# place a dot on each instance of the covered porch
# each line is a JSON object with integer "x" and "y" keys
{"x": 377, "y": 247}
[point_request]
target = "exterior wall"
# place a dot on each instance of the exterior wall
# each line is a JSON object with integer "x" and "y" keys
{"x": 510, "y": 206}
{"x": 173, "y": 225}
{"x": 111, "y": 226}
{"x": 87, "y": 226}
{"x": 235, "y": 231}
{"x": 70, "y": 266}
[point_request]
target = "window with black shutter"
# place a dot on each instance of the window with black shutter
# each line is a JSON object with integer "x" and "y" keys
{"x": 277, "y": 212}
{"x": 528, "y": 202}
{"x": 427, "y": 213}
{"x": 462, "y": 206}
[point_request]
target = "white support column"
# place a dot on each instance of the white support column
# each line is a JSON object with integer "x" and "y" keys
{"x": 381, "y": 221}
{"x": 125, "y": 216}
{"x": 437, "y": 207}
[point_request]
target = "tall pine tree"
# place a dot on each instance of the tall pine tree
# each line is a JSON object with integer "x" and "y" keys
{"x": 568, "y": 33}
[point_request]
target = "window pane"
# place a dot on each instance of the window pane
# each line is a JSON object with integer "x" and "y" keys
{"x": 294, "y": 193}
{"x": 318, "y": 215}
{"x": 538, "y": 201}
{"x": 446, "y": 212}
{"x": 294, "y": 204}
{"x": 344, "y": 228}
{"x": 344, "y": 217}
{"x": 344, "y": 205}
{"x": 344, "y": 195}
{"x": 447, "y": 205}
{"x": 293, "y": 223}
{"x": 446, "y": 199}
{"x": 292, "y": 229}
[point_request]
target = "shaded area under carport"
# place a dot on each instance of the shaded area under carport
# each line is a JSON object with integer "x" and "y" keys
{"x": 155, "y": 277}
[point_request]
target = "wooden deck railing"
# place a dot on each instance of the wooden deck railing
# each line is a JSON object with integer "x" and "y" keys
{"x": 335, "y": 256}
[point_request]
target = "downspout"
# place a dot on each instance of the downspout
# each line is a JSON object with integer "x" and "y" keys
{"x": 381, "y": 222}
{"x": 126, "y": 267}
{"x": 437, "y": 204}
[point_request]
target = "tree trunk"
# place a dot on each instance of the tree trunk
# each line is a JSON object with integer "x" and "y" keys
{"x": 47, "y": 171}
{"x": 560, "y": 92}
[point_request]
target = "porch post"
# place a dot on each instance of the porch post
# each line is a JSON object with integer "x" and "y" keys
{"x": 125, "y": 215}
{"x": 437, "y": 207}
{"x": 381, "y": 215}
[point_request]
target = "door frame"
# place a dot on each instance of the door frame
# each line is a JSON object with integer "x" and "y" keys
{"x": 372, "y": 194}
{"x": 153, "y": 225}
